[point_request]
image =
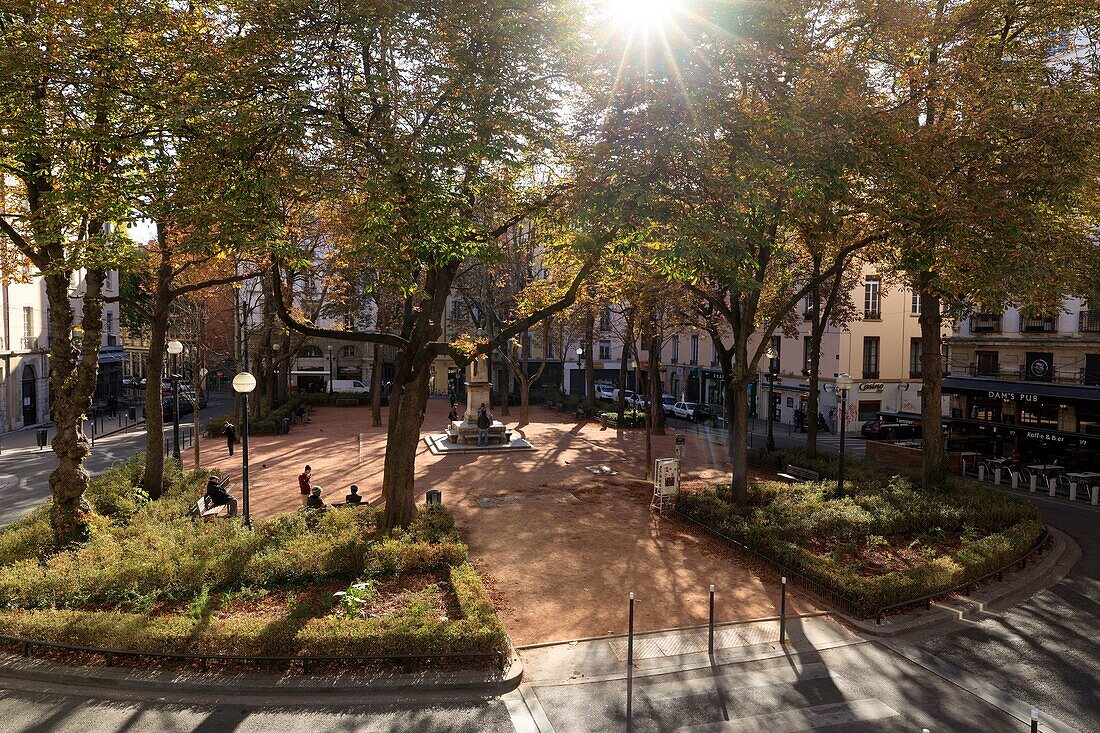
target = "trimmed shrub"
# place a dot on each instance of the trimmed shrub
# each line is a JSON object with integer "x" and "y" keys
{"x": 396, "y": 556}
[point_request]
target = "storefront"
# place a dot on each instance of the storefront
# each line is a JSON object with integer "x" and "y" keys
{"x": 1030, "y": 420}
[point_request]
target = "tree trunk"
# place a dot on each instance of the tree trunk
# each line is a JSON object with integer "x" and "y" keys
{"x": 737, "y": 411}
{"x": 402, "y": 442}
{"x": 931, "y": 325}
{"x": 72, "y": 385}
{"x": 153, "y": 478}
{"x": 656, "y": 389}
{"x": 589, "y": 367}
{"x": 376, "y": 388}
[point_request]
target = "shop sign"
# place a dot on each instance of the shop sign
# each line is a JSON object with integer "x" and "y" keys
{"x": 1009, "y": 396}
{"x": 871, "y": 386}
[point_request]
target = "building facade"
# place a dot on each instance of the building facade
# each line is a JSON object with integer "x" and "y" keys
{"x": 1028, "y": 385}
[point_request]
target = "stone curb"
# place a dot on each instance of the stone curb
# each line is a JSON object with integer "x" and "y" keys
{"x": 298, "y": 689}
{"x": 1048, "y": 571}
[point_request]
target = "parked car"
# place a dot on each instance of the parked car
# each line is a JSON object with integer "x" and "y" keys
{"x": 605, "y": 391}
{"x": 685, "y": 410}
{"x": 133, "y": 382}
{"x": 349, "y": 385}
{"x": 637, "y": 402}
{"x": 709, "y": 413}
{"x": 628, "y": 395}
{"x": 884, "y": 429}
{"x": 667, "y": 401}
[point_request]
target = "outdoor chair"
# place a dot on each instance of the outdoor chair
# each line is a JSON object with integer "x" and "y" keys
{"x": 1061, "y": 486}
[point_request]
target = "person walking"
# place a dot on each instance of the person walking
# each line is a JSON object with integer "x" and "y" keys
{"x": 484, "y": 420}
{"x": 112, "y": 406}
{"x": 230, "y": 436}
{"x": 305, "y": 484}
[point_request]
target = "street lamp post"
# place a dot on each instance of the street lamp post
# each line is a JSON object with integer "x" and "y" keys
{"x": 243, "y": 384}
{"x": 330, "y": 368}
{"x": 770, "y": 445}
{"x": 580, "y": 362}
{"x": 843, "y": 384}
{"x": 175, "y": 348}
{"x": 275, "y": 346}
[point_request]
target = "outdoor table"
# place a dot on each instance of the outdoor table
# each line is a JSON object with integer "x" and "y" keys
{"x": 1087, "y": 478}
{"x": 1045, "y": 469}
{"x": 964, "y": 459}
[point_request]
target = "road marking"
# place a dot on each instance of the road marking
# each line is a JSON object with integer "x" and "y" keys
{"x": 538, "y": 715}
{"x": 733, "y": 681}
{"x": 788, "y": 721}
{"x": 518, "y": 712}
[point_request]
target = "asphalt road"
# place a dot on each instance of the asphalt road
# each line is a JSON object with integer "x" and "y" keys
{"x": 1045, "y": 650}
{"x": 25, "y": 472}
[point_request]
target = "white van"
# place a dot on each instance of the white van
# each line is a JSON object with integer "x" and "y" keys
{"x": 349, "y": 385}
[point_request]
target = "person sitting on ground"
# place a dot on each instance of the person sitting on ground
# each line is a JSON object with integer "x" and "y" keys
{"x": 315, "y": 501}
{"x": 218, "y": 496}
{"x": 353, "y": 497}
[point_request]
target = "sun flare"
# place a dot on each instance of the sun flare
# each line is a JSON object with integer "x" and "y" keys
{"x": 642, "y": 14}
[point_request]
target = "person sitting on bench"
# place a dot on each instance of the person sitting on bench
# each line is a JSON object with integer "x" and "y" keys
{"x": 315, "y": 501}
{"x": 353, "y": 497}
{"x": 218, "y": 496}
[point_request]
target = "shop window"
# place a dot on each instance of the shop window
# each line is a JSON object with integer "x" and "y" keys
{"x": 979, "y": 408}
{"x": 869, "y": 409}
{"x": 1041, "y": 415}
{"x": 1088, "y": 420}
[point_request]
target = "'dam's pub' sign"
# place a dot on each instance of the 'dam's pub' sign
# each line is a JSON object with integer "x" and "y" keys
{"x": 1009, "y": 396}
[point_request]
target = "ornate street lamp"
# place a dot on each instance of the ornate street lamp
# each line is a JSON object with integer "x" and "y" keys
{"x": 243, "y": 384}
{"x": 175, "y": 348}
{"x": 330, "y": 368}
{"x": 843, "y": 384}
{"x": 772, "y": 355}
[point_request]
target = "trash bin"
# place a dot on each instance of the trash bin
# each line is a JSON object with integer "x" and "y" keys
{"x": 42, "y": 438}
{"x": 434, "y": 497}
{"x": 286, "y": 425}
{"x": 131, "y": 414}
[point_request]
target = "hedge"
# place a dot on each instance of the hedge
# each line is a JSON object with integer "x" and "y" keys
{"x": 144, "y": 554}
{"x": 781, "y": 521}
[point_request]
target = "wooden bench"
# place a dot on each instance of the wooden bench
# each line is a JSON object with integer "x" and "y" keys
{"x": 347, "y": 402}
{"x": 797, "y": 475}
{"x": 553, "y": 406}
{"x": 206, "y": 511}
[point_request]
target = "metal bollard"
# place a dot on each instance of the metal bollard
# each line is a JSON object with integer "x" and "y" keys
{"x": 1052, "y": 486}
{"x": 1035, "y": 720}
{"x": 1073, "y": 491}
{"x": 630, "y": 669}
{"x": 1034, "y": 483}
{"x": 981, "y": 472}
{"x": 783, "y": 610}
{"x": 710, "y": 635}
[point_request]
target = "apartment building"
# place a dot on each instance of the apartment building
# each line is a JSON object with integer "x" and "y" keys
{"x": 1027, "y": 384}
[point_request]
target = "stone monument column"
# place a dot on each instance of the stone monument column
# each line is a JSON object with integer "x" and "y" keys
{"x": 478, "y": 388}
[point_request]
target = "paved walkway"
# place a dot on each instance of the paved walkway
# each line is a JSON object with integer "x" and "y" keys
{"x": 561, "y": 547}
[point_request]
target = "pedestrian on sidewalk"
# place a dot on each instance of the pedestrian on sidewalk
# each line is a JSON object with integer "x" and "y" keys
{"x": 484, "y": 420}
{"x": 230, "y": 436}
{"x": 112, "y": 405}
{"x": 305, "y": 484}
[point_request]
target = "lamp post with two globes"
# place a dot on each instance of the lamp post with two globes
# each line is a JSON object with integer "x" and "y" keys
{"x": 243, "y": 384}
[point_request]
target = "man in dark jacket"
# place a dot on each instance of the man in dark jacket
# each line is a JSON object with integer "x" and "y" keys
{"x": 484, "y": 421}
{"x": 230, "y": 436}
{"x": 353, "y": 497}
{"x": 218, "y": 496}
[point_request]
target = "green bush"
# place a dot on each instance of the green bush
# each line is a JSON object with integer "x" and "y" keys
{"x": 433, "y": 523}
{"x": 631, "y": 418}
{"x": 215, "y": 426}
{"x": 324, "y": 398}
{"x": 396, "y": 556}
{"x": 28, "y": 538}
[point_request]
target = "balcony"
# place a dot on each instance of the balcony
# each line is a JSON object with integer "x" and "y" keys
{"x": 984, "y": 370}
{"x": 1039, "y": 324}
{"x": 1089, "y": 322}
{"x": 870, "y": 375}
{"x": 985, "y": 323}
{"x": 29, "y": 343}
{"x": 1071, "y": 375}
{"x": 872, "y": 315}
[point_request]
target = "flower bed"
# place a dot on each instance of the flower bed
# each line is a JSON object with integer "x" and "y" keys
{"x": 151, "y": 580}
{"x": 886, "y": 543}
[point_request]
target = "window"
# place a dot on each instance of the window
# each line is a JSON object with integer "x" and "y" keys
{"x": 605, "y": 319}
{"x": 456, "y": 309}
{"x": 1037, "y": 324}
{"x": 807, "y": 355}
{"x": 916, "y": 353}
{"x": 869, "y": 409}
{"x": 549, "y": 350}
{"x": 526, "y": 347}
{"x": 1042, "y": 415}
{"x": 713, "y": 354}
{"x": 808, "y": 307}
{"x": 984, "y": 408}
{"x": 870, "y": 357}
{"x": 675, "y": 350}
{"x": 914, "y": 306}
{"x": 988, "y": 363}
{"x": 777, "y": 346}
{"x": 348, "y": 351}
{"x": 109, "y": 329}
{"x": 310, "y": 352}
{"x": 605, "y": 349}
{"x": 1088, "y": 420}
{"x": 109, "y": 280}
{"x": 28, "y": 322}
{"x": 872, "y": 298}
{"x": 694, "y": 349}
{"x": 985, "y": 323}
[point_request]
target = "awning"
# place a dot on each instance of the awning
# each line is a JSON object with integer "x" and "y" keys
{"x": 112, "y": 355}
{"x": 1000, "y": 389}
{"x": 903, "y": 418}
{"x": 1041, "y": 435}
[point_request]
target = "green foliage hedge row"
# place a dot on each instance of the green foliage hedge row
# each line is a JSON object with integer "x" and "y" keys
{"x": 631, "y": 418}
{"x": 142, "y": 554}
{"x": 804, "y": 527}
{"x": 324, "y": 398}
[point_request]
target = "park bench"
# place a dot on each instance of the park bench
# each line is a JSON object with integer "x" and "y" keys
{"x": 554, "y": 406}
{"x": 347, "y": 402}
{"x": 205, "y": 510}
{"x": 797, "y": 475}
